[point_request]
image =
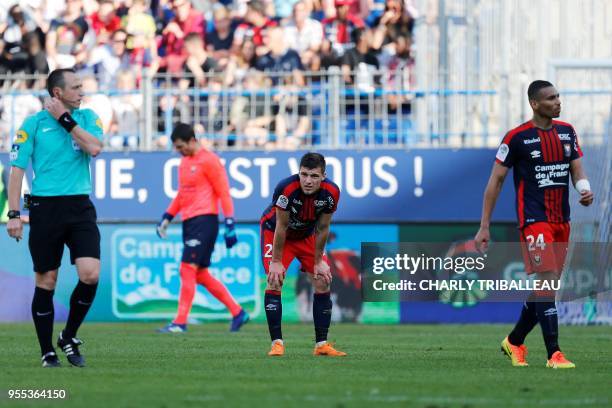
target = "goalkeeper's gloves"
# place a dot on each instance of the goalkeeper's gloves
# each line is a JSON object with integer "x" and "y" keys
{"x": 162, "y": 227}
{"x": 230, "y": 233}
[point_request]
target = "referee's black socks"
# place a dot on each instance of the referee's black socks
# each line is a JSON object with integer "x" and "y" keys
{"x": 42, "y": 314}
{"x": 80, "y": 302}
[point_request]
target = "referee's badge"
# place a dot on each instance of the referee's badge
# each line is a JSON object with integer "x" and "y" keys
{"x": 567, "y": 149}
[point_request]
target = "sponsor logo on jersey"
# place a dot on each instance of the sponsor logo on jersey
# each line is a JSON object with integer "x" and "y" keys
{"x": 320, "y": 203}
{"x": 297, "y": 202}
{"x": 502, "y": 152}
{"x": 536, "y": 154}
{"x": 564, "y": 136}
{"x": 567, "y": 149}
{"x": 99, "y": 123}
{"x": 531, "y": 141}
{"x": 21, "y": 136}
{"x": 282, "y": 202}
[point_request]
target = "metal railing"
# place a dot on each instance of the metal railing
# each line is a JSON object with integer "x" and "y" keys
{"x": 331, "y": 109}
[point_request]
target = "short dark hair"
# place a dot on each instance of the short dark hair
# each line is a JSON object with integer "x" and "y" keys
{"x": 56, "y": 79}
{"x": 534, "y": 88}
{"x": 313, "y": 160}
{"x": 182, "y": 131}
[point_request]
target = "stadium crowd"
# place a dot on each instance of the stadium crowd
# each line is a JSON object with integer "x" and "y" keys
{"x": 211, "y": 45}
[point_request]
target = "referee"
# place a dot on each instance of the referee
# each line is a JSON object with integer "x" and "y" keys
{"x": 59, "y": 140}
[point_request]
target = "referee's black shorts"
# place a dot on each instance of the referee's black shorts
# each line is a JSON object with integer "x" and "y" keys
{"x": 59, "y": 220}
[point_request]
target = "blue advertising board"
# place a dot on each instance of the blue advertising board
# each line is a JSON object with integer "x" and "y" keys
{"x": 433, "y": 185}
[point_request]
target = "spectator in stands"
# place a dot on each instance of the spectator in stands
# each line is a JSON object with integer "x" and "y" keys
{"x": 240, "y": 63}
{"x": 69, "y": 38}
{"x": 186, "y": 20}
{"x": 303, "y": 33}
{"x": 249, "y": 117}
{"x": 199, "y": 65}
{"x": 326, "y": 58}
{"x": 291, "y": 120}
{"x": 96, "y": 101}
{"x": 17, "y": 106}
{"x": 104, "y": 21}
{"x": 280, "y": 60}
{"x": 398, "y": 65}
{"x": 14, "y": 56}
{"x": 220, "y": 39}
{"x": 256, "y": 23}
{"x": 127, "y": 111}
{"x": 141, "y": 44}
{"x": 357, "y": 8}
{"x": 395, "y": 21}
{"x": 37, "y": 60}
{"x": 360, "y": 63}
{"x": 107, "y": 60}
{"x": 338, "y": 30}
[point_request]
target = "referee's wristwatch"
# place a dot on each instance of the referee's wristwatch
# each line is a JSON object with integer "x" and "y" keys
{"x": 13, "y": 214}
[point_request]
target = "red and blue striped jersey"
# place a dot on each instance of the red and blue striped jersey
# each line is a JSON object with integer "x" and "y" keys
{"x": 541, "y": 162}
{"x": 304, "y": 210}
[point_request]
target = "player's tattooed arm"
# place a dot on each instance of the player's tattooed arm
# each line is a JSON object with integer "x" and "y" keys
{"x": 494, "y": 186}
{"x": 579, "y": 178}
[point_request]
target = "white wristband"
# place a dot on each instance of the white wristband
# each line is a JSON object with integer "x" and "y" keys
{"x": 583, "y": 185}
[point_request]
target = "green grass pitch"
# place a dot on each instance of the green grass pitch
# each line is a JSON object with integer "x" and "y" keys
{"x": 405, "y": 365}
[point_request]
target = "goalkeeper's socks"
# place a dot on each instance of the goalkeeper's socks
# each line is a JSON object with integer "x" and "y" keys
{"x": 42, "y": 314}
{"x": 321, "y": 314}
{"x": 188, "y": 287}
{"x": 218, "y": 290}
{"x": 80, "y": 302}
{"x": 547, "y": 315}
{"x": 274, "y": 313}
{"x": 525, "y": 324}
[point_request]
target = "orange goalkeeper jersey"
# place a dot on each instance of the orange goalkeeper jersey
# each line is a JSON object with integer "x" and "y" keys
{"x": 202, "y": 184}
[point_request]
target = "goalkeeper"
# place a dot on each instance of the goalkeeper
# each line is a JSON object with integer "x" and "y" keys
{"x": 202, "y": 184}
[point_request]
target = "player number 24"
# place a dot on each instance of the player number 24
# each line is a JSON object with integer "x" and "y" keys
{"x": 539, "y": 242}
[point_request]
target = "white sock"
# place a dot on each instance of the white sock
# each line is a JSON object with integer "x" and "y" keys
{"x": 278, "y": 341}
{"x": 320, "y": 343}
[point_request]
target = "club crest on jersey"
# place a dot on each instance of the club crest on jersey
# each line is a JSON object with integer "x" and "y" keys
{"x": 537, "y": 259}
{"x": 536, "y": 154}
{"x": 282, "y": 202}
{"x": 567, "y": 149}
{"x": 502, "y": 152}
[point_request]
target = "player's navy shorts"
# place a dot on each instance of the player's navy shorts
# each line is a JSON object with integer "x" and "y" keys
{"x": 302, "y": 249}
{"x": 544, "y": 246}
{"x": 58, "y": 221}
{"x": 199, "y": 237}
